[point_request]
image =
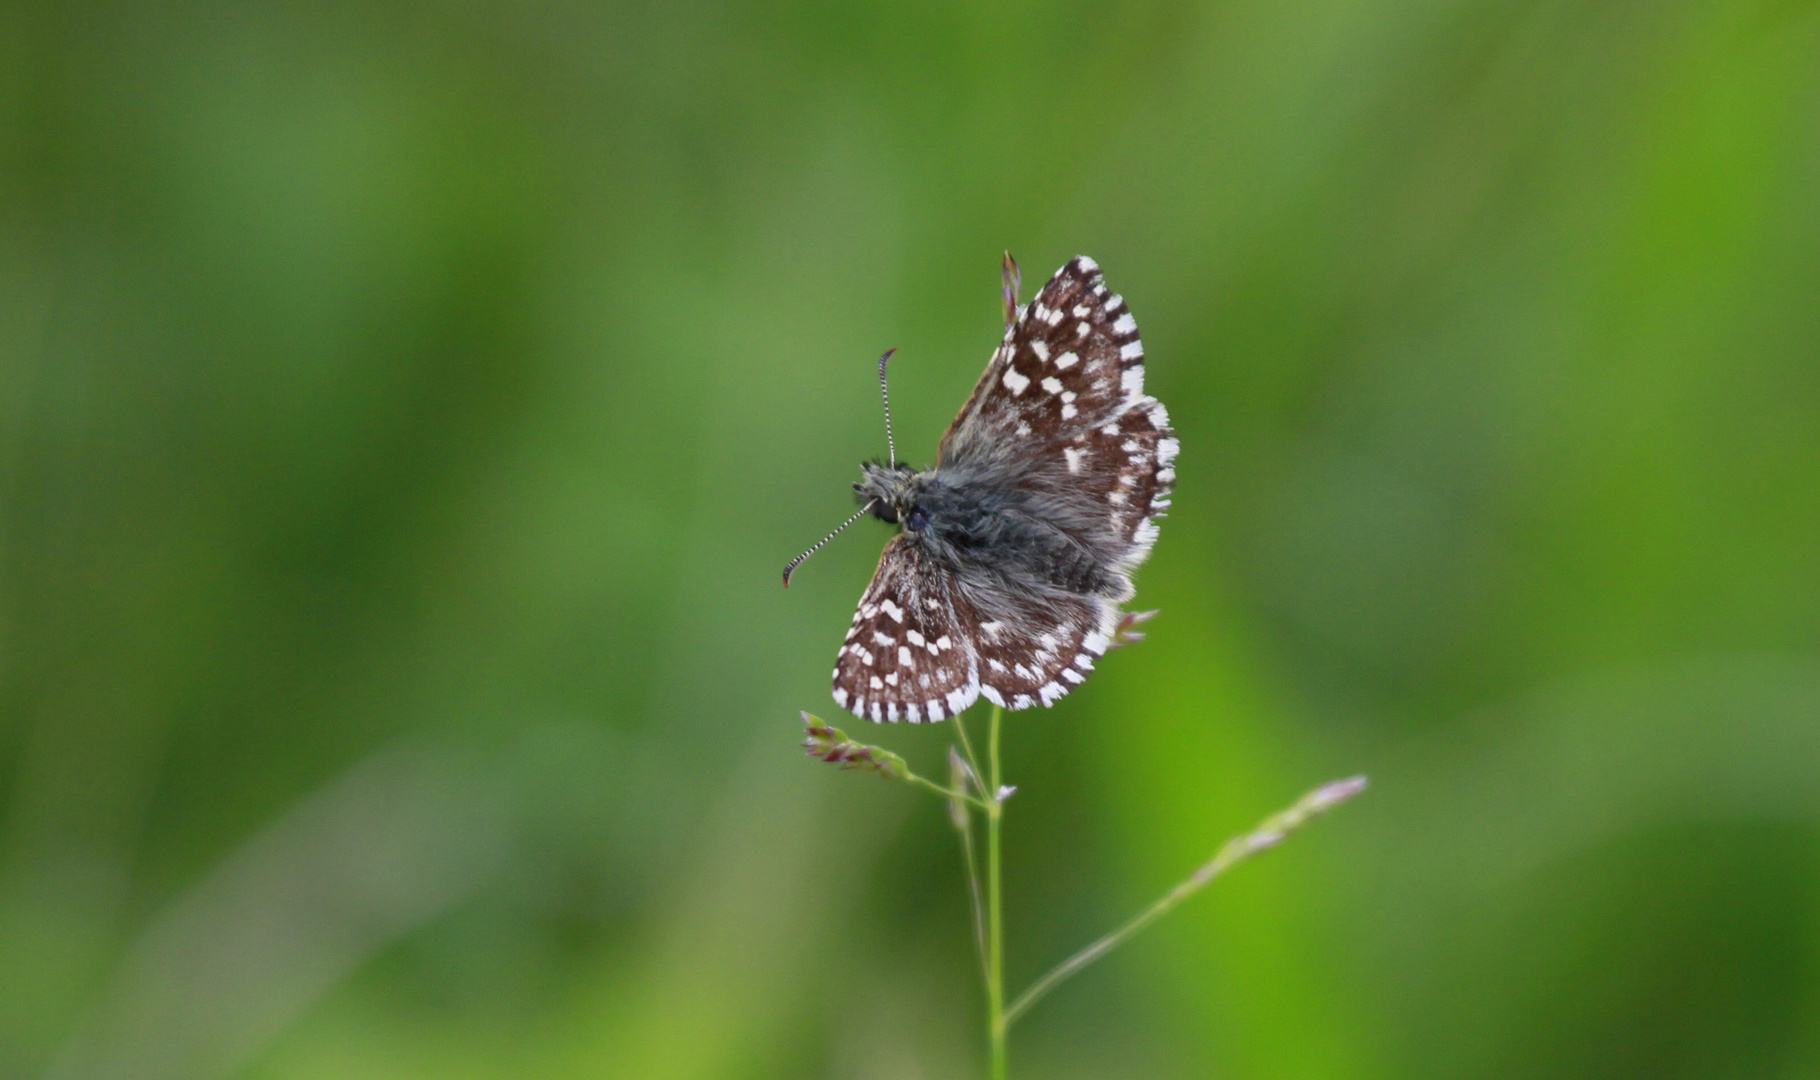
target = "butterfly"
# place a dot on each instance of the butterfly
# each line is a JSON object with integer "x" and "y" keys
{"x": 1015, "y": 551}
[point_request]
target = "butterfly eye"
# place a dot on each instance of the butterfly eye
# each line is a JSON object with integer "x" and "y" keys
{"x": 916, "y": 520}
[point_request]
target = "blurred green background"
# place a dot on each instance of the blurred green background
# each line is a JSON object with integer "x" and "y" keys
{"x": 405, "y": 410}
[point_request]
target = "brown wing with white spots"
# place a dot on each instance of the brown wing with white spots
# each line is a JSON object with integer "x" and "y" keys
{"x": 1130, "y": 462}
{"x": 906, "y": 656}
{"x": 1032, "y": 651}
{"x": 1065, "y": 392}
{"x": 1070, "y": 360}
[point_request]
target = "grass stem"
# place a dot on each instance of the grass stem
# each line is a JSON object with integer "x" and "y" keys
{"x": 1267, "y": 835}
{"x": 996, "y": 1021}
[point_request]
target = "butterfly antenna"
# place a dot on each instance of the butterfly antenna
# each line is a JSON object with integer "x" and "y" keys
{"x": 798, "y": 561}
{"x": 885, "y": 393}
{"x": 1013, "y": 281}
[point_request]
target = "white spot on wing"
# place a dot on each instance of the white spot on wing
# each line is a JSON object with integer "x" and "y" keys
{"x": 1074, "y": 459}
{"x": 1132, "y": 381}
{"x": 891, "y": 609}
{"x": 915, "y": 636}
{"x": 1066, "y": 361}
{"x": 1040, "y": 348}
{"x": 1068, "y": 412}
{"x": 1014, "y": 380}
{"x": 1125, "y": 324}
{"x": 904, "y": 658}
{"x": 1131, "y": 350}
{"x": 1052, "y": 384}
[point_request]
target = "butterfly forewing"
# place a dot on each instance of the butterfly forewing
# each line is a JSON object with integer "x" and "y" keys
{"x": 906, "y": 656}
{"x": 1070, "y": 360}
{"x": 1065, "y": 390}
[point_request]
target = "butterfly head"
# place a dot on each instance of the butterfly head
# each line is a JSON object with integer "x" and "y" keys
{"x": 890, "y": 493}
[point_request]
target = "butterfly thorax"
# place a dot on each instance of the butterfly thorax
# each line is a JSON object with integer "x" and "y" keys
{"x": 961, "y": 517}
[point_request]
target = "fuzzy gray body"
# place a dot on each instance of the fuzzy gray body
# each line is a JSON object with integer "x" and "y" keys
{"x": 1026, "y": 539}
{"x": 1017, "y": 548}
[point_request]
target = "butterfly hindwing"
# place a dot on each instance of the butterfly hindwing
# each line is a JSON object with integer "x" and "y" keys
{"x": 906, "y": 656}
{"x": 1032, "y": 650}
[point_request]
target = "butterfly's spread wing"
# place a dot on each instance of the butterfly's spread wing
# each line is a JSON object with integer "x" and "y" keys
{"x": 1061, "y": 408}
{"x": 1062, "y": 405}
{"x": 908, "y": 655}
{"x": 1032, "y": 650}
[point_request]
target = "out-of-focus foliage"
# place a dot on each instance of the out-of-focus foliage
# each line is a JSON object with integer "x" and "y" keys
{"x": 405, "y": 410}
